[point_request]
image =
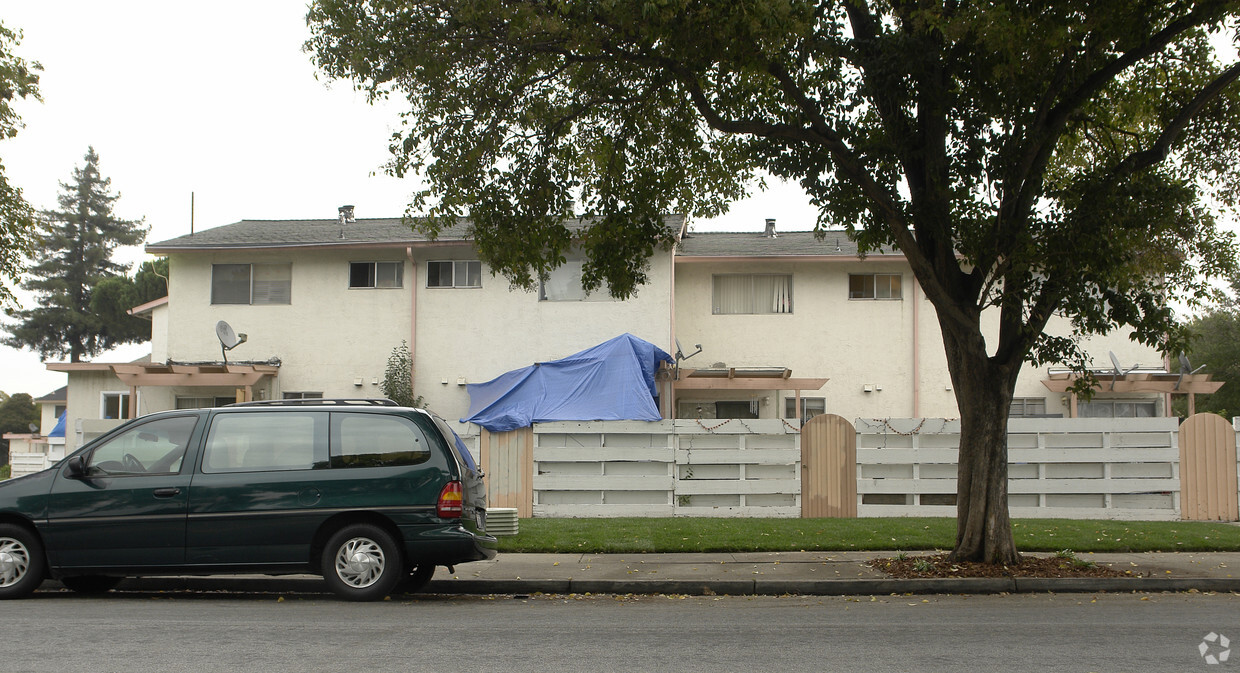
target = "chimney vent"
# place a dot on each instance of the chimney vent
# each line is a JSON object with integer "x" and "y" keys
{"x": 346, "y": 215}
{"x": 770, "y": 228}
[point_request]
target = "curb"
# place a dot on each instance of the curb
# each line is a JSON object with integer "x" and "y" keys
{"x": 306, "y": 584}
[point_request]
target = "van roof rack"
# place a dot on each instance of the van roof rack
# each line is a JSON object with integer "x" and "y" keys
{"x": 316, "y": 401}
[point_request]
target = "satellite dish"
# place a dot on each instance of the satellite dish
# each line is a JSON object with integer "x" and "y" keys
{"x": 229, "y": 339}
{"x": 680, "y": 351}
{"x": 1186, "y": 369}
{"x": 680, "y": 355}
{"x": 1120, "y": 372}
{"x": 33, "y": 427}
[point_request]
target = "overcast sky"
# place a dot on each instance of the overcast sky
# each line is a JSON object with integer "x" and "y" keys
{"x": 215, "y": 100}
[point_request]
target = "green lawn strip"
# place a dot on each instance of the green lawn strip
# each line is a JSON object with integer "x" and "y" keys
{"x": 673, "y": 535}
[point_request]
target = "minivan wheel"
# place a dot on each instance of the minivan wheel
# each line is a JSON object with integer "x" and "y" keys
{"x": 22, "y": 564}
{"x": 362, "y": 562}
{"x": 91, "y": 584}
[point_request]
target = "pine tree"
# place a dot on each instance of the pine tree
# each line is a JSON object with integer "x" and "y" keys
{"x": 77, "y": 242}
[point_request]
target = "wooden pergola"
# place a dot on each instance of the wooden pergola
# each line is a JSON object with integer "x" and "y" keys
{"x": 241, "y": 377}
{"x": 1136, "y": 381}
{"x": 740, "y": 378}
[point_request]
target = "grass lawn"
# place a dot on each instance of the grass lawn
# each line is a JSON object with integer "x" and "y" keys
{"x": 634, "y": 535}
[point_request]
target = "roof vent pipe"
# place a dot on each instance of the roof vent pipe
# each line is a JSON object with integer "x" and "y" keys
{"x": 346, "y": 215}
{"x": 770, "y": 228}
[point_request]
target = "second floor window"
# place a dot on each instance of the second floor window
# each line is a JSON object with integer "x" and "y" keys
{"x": 874, "y": 286}
{"x": 737, "y": 294}
{"x": 459, "y": 273}
{"x": 376, "y": 274}
{"x": 251, "y": 283}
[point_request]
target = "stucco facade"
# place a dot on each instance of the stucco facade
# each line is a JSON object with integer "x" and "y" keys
{"x": 854, "y": 333}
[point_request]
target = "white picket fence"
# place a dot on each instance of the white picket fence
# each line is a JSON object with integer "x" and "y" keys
{"x": 28, "y": 463}
{"x": 1097, "y": 468}
{"x": 1058, "y": 468}
{"x": 667, "y": 468}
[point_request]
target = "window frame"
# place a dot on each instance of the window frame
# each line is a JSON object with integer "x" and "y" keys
{"x": 452, "y": 264}
{"x": 90, "y": 458}
{"x": 894, "y": 295}
{"x": 372, "y": 277}
{"x": 123, "y": 411}
{"x": 318, "y": 436}
{"x": 1112, "y": 403}
{"x": 254, "y": 298}
{"x": 790, "y": 404}
{"x": 1024, "y": 404}
{"x": 301, "y": 395}
{"x": 753, "y": 298}
{"x": 339, "y": 460}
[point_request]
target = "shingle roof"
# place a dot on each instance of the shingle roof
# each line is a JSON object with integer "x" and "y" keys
{"x": 303, "y": 233}
{"x": 784, "y": 244}
{"x": 61, "y": 394}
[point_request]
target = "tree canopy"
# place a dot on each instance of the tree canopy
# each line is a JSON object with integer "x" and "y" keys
{"x": 18, "y": 80}
{"x": 75, "y": 277}
{"x": 1064, "y": 157}
{"x": 1216, "y": 346}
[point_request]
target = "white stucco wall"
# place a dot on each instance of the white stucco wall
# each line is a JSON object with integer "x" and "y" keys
{"x": 476, "y": 334}
{"x": 330, "y": 335}
{"x": 854, "y": 342}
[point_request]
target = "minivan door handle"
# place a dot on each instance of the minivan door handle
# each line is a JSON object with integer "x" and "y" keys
{"x": 167, "y": 492}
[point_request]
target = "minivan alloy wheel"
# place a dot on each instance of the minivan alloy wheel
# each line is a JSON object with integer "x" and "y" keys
{"x": 360, "y": 562}
{"x": 14, "y": 561}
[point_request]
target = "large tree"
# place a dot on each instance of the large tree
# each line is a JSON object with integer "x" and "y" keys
{"x": 76, "y": 244}
{"x": 18, "y": 80}
{"x": 1028, "y": 158}
{"x": 1216, "y": 346}
{"x": 113, "y": 297}
{"x": 17, "y": 413}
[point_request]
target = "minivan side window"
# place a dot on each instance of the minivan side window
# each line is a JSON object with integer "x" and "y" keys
{"x": 377, "y": 440}
{"x": 157, "y": 447}
{"x": 264, "y": 442}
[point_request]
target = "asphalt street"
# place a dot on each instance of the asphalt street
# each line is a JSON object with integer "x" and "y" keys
{"x": 60, "y": 632}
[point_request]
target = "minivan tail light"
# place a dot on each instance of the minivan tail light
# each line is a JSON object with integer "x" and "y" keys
{"x": 450, "y": 505}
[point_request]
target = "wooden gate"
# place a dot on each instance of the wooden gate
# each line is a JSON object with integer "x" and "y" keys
{"x": 508, "y": 459}
{"x": 828, "y": 468}
{"x": 1208, "y": 489}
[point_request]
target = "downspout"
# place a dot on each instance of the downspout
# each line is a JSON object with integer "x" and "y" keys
{"x": 916, "y": 350}
{"x": 671, "y": 382}
{"x": 413, "y": 318}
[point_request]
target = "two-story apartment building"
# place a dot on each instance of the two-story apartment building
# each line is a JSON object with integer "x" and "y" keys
{"x": 780, "y": 316}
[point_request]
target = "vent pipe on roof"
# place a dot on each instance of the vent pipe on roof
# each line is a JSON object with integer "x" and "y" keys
{"x": 346, "y": 215}
{"x": 770, "y": 228}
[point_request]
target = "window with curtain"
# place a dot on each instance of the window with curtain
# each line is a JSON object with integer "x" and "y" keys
{"x": 462, "y": 273}
{"x": 749, "y": 294}
{"x": 563, "y": 283}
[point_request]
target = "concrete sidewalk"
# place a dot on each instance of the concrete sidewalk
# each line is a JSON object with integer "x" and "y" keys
{"x": 807, "y": 573}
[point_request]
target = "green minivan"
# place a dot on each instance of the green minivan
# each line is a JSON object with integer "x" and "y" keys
{"x": 370, "y": 495}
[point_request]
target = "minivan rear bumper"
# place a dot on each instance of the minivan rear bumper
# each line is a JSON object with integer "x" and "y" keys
{"x": 446, "y": 545}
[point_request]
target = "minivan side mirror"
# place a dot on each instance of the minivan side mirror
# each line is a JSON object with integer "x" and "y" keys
{"x": 75, "y": 467}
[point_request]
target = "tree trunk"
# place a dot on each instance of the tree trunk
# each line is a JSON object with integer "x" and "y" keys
{"x": 984, "y": 390}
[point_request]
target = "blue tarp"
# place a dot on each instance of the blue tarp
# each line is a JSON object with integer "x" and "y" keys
{"x": 612, "y": 381}
{"x": 59, "y": 430}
